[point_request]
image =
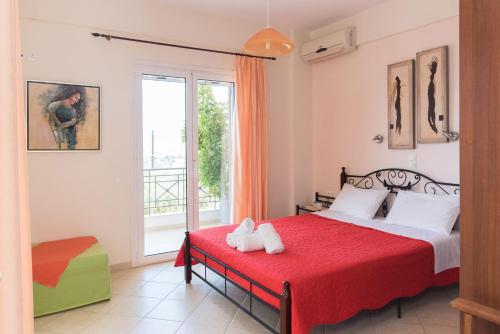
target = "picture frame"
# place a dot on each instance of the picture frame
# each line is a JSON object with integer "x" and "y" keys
{"x": 62, "y": 117}
{"x": 432, "y": 95}
{"x": 401, "y": 105}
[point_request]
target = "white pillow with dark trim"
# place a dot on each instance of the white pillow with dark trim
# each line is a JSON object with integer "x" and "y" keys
{"x": 358, "y": 202}
{"x": 437, "y": 213}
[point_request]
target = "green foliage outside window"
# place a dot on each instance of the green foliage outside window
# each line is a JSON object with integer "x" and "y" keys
{"x": 212, "y": 128}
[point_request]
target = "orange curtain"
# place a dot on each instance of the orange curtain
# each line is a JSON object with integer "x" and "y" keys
{"x": 16, "y": 306}
{"x": 250, "y": 167}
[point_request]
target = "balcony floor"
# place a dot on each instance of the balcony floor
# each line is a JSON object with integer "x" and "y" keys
{"x": 168, "y": 239}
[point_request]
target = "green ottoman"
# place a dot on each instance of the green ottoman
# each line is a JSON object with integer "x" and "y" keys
{"x": 86, "y": 280}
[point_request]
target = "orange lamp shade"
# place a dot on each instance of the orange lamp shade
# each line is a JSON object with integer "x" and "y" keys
{"x": 269, "y": 42}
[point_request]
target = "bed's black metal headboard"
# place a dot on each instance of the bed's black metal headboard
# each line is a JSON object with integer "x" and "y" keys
{"x": 396, "y": 179}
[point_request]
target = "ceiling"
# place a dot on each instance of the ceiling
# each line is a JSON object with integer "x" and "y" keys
{"x": 293, "y": 14}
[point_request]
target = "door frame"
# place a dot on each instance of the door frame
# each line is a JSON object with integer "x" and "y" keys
{"x": 191, "y": 74}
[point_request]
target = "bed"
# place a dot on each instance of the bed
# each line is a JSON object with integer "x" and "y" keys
{"x": 334, "y": 266}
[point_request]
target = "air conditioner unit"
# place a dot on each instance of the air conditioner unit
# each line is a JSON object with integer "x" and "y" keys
{"x": 338, "y": 43}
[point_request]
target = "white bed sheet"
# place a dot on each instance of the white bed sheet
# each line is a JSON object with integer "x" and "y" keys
{"x": 446, "y": 248}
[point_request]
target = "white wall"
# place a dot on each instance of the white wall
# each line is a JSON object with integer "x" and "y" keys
{"x": 349, "y": 101}
{"x": 392, "y": 17}
{"x": 290, "y": 140}
{"x": 91, "y": 193}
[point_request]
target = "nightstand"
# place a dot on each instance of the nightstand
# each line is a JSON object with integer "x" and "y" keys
{"x": 324, "y": 200}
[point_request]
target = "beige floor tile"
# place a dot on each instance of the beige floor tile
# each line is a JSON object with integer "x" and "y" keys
{"x": 232, "y": 330}
{"x": 438, "y": 312}
{"x": 208, "y": 314}
{"x": 118, "y": 274}
{"x": 125, "y": 287}
{"x": 155, "y": 290}
{"x": 194, "y": 293}
{"x": 236, "y": 293}
{"x": 398, "y": 328}
{"x": 175, "y": 310}
{"x": 42, "y": 332}
{"x": 435, "y": 329}
{"x": 193, "y": 328}
{"x": 134, "y": 306}
{"x": 194, "y": 281}
{"x": 72, "y": 321}
{"x": 156, "y": 326}
{"x": 170, "y": 266}
{"x": 216, "y": 298}
{"x": 42, "y": 322}
{"x": 169, "y": 276}
{"x": 104, "y": 306}
{"x": 212, "y": 277}
{"x": 434, "y": 294}
{"x": 112, "y": 324}
{"x": 244, "y": 321}
{"x": 360, "y": 324}
{"x": 268, "y": 315}
{"x": 389, "y": 313}
{"x": 142, "y": 273}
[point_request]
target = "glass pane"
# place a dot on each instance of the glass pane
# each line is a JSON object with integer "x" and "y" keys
{"x": 164, "y": 161}
{"x": 215, "y": 105}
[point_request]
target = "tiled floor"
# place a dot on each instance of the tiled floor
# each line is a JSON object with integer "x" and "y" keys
{"x": 154, "y": 300}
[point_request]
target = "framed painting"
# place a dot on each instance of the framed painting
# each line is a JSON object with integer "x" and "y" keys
{"x": 432, "y": 95}
{"x": 401, "y": 102}
{"x": 63, "y": 117}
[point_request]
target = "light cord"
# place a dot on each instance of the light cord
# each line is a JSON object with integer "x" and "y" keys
{"x": 267, "y": 14}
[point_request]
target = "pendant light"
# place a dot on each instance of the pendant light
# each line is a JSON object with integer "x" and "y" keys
{"x": 268, "y": 42}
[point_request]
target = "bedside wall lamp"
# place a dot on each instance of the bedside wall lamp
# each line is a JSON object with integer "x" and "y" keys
{"x": 451, "y": 135}
{"x": 379, "y": 139}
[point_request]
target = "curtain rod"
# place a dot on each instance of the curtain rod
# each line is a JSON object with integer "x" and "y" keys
{"x": 109, "y": 37}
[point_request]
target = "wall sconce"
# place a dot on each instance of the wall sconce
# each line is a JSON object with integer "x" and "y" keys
{"x": 379, "y": 139}
{"x": 451, "y": 135}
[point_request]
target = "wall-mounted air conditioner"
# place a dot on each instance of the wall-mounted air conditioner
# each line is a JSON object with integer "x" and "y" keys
{"x": 337, "y": 43}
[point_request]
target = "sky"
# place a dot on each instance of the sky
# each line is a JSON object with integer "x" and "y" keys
{"x": 164, "y": 112}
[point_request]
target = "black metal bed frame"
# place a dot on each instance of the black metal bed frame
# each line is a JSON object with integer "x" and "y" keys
{"x": 284, "y": 298}
{"x": 397, "y": 179}
{"x": 393, "y": 179}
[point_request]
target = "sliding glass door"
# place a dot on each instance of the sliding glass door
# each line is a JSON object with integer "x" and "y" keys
{"x": 186, "y": 158}
{"x": 215, "y": 103}
{"x": 165, "y": 162}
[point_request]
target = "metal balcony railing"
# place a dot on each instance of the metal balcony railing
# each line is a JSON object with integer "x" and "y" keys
{"x": 165, "y": 192}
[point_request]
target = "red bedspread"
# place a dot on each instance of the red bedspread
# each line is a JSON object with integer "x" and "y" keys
{"x": 335, "y": 269}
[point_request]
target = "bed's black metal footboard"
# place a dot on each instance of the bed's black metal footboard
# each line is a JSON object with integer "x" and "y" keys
{"x": 285, "y": 301}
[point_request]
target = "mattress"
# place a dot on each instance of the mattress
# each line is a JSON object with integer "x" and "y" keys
{"x": 86, "y": 280}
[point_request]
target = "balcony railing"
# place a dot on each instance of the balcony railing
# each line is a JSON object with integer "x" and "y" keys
{"x": 165, "y": 192}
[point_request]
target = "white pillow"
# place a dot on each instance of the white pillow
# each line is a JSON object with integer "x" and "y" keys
{"x": 437, "y": 213}
{"x": 362, "y": 203}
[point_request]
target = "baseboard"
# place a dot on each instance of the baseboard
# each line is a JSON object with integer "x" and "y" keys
{"x": 120, "y": 266}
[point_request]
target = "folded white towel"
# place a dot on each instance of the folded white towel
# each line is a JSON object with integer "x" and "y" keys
{"x": 246, "y": 226}
{"x": 271, "y": 238}
{"x": 249, "y": 242}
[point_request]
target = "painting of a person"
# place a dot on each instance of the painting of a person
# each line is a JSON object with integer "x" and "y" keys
{"x": 396, "y": 92}
{"x": 65, "y": 111}
{"x": 431, "y": 95}
{"x": 63, "y": 117}
{"x": 400, "y": 105}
